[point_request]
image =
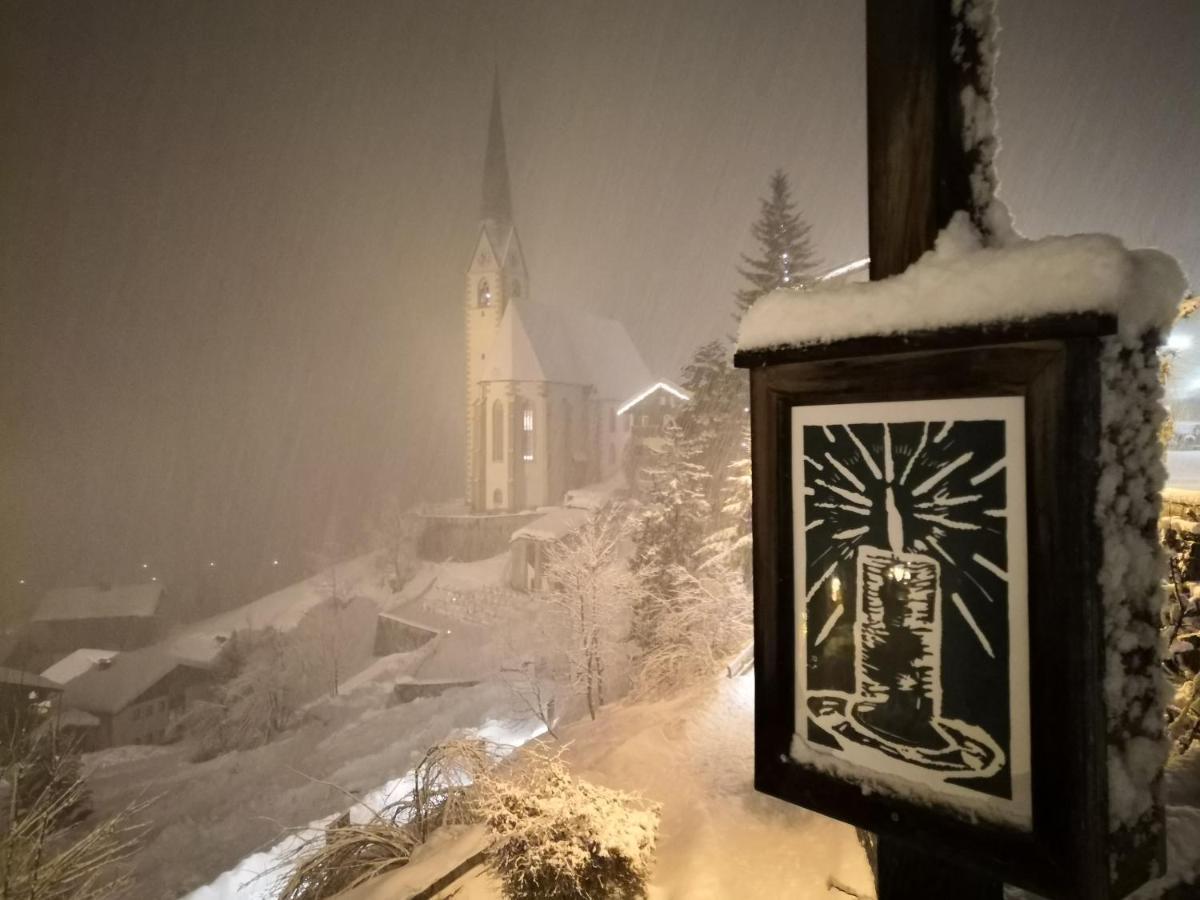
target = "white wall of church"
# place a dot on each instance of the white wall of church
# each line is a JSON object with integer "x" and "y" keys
{"x": 571, "y": 443}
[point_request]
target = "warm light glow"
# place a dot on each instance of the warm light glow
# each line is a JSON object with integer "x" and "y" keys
{"x": 274, "y": 562}
{"x": 21, "y": 581}
{"x": 900, "y": 572}
{"x": 145, "y": 565}
{"x": 154, "y": 578}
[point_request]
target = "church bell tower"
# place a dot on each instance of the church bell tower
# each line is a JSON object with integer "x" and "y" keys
{"x": 496, "y": 276}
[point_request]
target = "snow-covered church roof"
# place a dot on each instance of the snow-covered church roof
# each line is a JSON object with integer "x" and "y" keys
{"x": 537, "y": 342}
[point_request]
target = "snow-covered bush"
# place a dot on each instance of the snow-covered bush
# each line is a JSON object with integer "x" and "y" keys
{"x": 556, "y": 837}
{"x": 350, "y": 853}
{"x": 703, "y": 621}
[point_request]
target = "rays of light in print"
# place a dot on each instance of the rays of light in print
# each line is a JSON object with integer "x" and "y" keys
{"x": 923, "y": 487}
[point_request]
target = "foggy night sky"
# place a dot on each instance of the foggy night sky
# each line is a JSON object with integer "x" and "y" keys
{"x": 233, "y": 235}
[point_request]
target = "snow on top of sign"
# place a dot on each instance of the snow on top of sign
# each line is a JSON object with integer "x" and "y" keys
{"x": 960, "y": 282}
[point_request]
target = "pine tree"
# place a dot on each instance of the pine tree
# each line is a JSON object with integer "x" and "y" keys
{"x": 787, "y": 258}
{"x": 675, "y": 516}
{"x": 730, "y": 545}
{"x": 711, "y": 420}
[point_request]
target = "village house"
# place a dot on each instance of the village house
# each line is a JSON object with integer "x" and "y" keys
{"x": 133, "y": 697}
{"x": 122, "y": 617}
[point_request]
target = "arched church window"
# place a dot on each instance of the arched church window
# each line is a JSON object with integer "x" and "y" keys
{"x": 497, "y": 497}
{"x": 527, "y": 433}
{"x": 483, "y": 295}
{"x": 498, "y": 431}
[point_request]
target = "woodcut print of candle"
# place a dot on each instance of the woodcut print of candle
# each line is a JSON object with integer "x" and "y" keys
{"x": 898, "y": 658}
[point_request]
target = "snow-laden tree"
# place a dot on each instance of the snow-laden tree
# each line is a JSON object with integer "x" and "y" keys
{"x": 697, "y": 627}
{"x": 676, "y": 514}
{"x": 711, "y": 421}
{"x": 593, "y": 593}
{"x": 732, "y": 543}
{"x": 556, "y": 837}
{"x": 394, "y": 533}
{"x": 785, "y": 256}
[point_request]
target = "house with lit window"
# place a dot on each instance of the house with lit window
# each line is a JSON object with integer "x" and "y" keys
{"x": 544, "y": 381}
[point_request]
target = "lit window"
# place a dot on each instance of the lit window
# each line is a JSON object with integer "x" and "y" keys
{"x": 497, "y": 431}
{"x": 483, "y": 295}
{"x": 527, "y": 435}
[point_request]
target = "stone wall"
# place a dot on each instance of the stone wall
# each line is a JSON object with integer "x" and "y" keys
{"x": 465, "y": 537}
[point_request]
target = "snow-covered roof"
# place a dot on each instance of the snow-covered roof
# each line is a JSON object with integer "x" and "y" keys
{"x": 111, "y": 688}
{"x": 674, "y": 390}
{"x": 76, "y": 663}
{"x": 17, "y": 678}
{"x": 960, "y": 283}
{"x": 99, "y": 602}
{"x": 557, "y": 523}
{"x": 857, "y": 271}
{"x": 536, "y": 342}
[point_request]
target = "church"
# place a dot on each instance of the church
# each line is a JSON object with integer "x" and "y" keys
{"x": 548, "y": 388}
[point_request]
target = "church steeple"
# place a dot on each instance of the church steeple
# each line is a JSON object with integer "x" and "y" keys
{"x": 497, "y": 202}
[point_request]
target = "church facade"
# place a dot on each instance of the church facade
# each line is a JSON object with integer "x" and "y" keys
{"x": 544, "y": 382}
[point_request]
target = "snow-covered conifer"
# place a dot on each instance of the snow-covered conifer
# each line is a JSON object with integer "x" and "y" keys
{"x": 786, "y": 258}
{"x": 676, "y": 513}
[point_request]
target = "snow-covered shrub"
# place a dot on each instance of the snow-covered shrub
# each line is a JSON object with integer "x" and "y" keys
{"x": 556, "y": 837}
{"x": 703, "y": 621}
{"x": 350, "y": 853}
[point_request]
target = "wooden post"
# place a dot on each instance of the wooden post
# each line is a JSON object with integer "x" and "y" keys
{"x": 918, "y": 175}
{"x": 918, "y": 172}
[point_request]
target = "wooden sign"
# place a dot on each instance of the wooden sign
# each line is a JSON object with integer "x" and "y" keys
{"x": 929, "y": 627}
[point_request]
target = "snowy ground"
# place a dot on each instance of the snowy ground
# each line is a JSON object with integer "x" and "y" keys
{"x": 719, "y": 838}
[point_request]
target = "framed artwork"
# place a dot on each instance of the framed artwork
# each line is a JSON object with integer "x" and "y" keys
{"x": 928, "y": 622}
{"x": 912, "y": 656}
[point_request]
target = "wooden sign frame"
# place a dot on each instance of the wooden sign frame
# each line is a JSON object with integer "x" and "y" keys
{"x": 1054, "y": 365}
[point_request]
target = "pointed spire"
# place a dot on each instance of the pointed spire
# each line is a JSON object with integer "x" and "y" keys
{"x": 497, "y": 204}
